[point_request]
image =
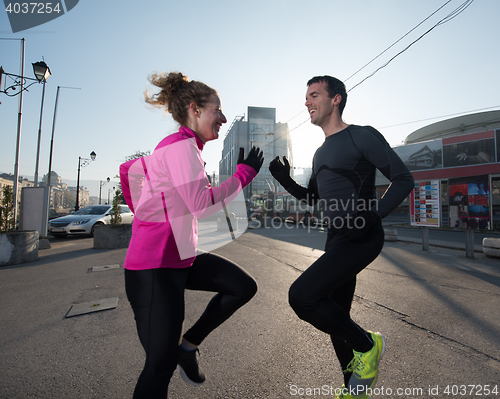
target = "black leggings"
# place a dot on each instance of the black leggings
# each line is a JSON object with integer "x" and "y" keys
{"x": 323, "y": 294}
{"x": 157, "y": 299}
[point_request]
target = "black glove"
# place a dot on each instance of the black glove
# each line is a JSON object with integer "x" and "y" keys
{"x": 255, "y": 158}
{"x": 280, "y": 171}
{"x": 356, "y": 227}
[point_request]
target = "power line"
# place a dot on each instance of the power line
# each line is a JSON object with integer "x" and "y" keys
{"x": 439, "y": 117}
{"x": 448, "y": 18}
{"x": 397, "y": 41}
{"x": 444, "y": 20}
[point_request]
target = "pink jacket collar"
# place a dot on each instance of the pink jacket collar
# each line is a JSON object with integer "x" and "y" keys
{"x": 188, "y": 133}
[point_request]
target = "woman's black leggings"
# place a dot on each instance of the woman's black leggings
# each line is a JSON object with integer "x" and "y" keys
{"x": 157, "y": 299}
{"x": 323, "y": 294}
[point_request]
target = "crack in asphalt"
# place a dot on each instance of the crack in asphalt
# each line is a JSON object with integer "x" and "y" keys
{"x": 431, "y": 282}
{"x": 404, "y": 318}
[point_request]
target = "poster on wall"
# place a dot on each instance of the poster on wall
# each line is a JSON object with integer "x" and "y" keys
{"x": 469, "y": 153}
{"x": 422, "y": 156}
{"x": 498, "y": 145}
{"x": 470, "y": 202}
{"x": 424, "y": 204}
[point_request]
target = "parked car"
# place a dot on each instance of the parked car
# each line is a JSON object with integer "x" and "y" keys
{"x": 53, "y": 214}
{"x": 85, "y": 220}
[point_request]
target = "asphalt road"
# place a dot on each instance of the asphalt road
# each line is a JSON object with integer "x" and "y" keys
{"x": 438, "y": 311}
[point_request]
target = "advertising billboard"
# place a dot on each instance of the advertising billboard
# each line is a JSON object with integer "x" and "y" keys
{"x": 470, "y": 203}
{"x": 469, "y": 153}
{"x": 425, "y": 209}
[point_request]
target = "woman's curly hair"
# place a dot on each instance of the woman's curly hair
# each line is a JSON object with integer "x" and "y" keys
{"x": 177, "y": 93}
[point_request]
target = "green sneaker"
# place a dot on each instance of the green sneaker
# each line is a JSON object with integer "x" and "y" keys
{"x": 344, "y": 394}
{"x": 364, "y": 366}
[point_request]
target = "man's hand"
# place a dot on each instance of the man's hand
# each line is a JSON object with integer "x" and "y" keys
{"x": 255, "y": 158}
{"x": 280, "y": 171}
{"x": 355, "y": 228}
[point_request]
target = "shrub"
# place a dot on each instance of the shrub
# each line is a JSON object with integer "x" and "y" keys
{"x": 7, "y": 209}
{"x": 116, "y": 218}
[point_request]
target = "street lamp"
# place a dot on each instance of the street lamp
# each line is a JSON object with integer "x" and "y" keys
{"x": 101, "y": 183}
{"x": 47, "y": 195}
{"x": 109, "y": 191}
{"x": 82, "y": 162}
{"x": 42, "y": 73}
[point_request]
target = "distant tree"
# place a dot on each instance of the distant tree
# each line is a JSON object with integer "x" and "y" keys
{"x": 7, "y": 210}
{"x": 138, "y": 154}
{"x": 116, "y": 218}
{"x": 69, "y": 200}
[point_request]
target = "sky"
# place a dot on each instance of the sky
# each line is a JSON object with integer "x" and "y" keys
{"x": 254, "y": 53}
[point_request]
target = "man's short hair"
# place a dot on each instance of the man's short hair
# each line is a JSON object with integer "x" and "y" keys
{"x": 334, "y": 87}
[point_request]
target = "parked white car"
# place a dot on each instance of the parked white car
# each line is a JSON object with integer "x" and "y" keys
{"x": 85, "y": 220}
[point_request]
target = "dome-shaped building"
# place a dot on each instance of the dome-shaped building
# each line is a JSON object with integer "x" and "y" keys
{"x": 465, "y": 124}
{"x": 55, "y": 179}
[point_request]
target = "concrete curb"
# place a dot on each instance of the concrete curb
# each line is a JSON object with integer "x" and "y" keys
{"x": 491, "y": 247}
{"x": 18, "y": 247}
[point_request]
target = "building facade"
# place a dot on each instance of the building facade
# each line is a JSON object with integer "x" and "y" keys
{"x": 62, "y": 196}
{"x": 460, "y": 158}
{"x": 260, "y": 129}
{"x": 8, "y": 179}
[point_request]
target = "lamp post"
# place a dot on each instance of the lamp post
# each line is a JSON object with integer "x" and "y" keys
{"x": 54, "y": 127}
{"x": 101, "y": 183}
{"x": 42, "y": 73}
{"x": 86, "y": 161}
{"x": 47, "y": 195}
{"x": 109, "y": 192}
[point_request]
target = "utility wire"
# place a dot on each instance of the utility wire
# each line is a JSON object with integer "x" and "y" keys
{"x": 439, "y": 117}
{"x": 448, "y": 18}
{"x": 402, "y": 37}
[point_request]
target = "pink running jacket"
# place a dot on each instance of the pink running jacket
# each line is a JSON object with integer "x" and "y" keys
{"x": 168, "y": 191}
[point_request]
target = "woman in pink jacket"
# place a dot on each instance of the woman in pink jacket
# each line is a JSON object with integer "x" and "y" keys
{"x": 168, "y": 191}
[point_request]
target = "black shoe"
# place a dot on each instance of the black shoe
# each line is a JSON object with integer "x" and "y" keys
{"x": 189, "y": 368}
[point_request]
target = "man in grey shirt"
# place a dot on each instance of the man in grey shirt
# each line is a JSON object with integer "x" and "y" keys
{"x": 343, "y": 179}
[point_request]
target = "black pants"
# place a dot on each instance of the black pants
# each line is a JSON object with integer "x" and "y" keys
{"x": 323, "y": 294}
{"x": 157, "y": 299}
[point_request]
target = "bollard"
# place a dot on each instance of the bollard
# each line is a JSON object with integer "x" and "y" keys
{"x": 390, "y": 234}
{"x": 18, "y": 247}
{"x": 491, "y": 247}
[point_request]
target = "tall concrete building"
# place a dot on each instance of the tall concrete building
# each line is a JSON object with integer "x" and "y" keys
{"x": 260, "y": 129}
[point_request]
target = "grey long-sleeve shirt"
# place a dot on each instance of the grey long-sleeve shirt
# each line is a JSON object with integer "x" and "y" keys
{"x": 344, "y": 174}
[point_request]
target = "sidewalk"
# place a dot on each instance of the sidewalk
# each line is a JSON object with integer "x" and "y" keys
{"x": 458, "y": 245}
